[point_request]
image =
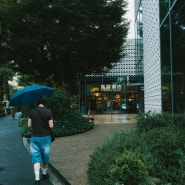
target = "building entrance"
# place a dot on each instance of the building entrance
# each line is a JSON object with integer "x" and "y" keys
{"x": 115, "y": 102}
{"x": 112, "y": 95}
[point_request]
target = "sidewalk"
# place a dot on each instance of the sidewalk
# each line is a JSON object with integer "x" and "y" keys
{"x": 70, "y": 155}
{"x": 15, "y": 162}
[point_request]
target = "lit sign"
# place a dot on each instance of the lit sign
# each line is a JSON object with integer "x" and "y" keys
{"x": 113, "y": 87}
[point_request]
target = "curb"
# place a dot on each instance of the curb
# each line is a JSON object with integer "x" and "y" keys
{"x": 55, "y": 176}
{"x": 58, "y": 175}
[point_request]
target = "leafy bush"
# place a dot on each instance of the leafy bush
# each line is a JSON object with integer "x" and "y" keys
{"x": 150, "y": 120}
{"x": 66, "y": 121}
{"x": 59, "y": 103}
{"x": 105, "y": 156}
{"x": 167, "y": 148}
{"x": 25, "y": 131}
{"x": 179, "y": 119}
{"x": 70, "y": 124}
{"x": 131, "y": 168}
{"x": 112, "y": 164}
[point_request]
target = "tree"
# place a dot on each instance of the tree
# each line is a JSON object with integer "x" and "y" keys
{"x": 5, "y": 75}
{"x": 62, "y": 39}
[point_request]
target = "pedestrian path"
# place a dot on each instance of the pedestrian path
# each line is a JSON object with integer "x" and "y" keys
{"x": 70, "y": 155}
{"x": 15, "y": 161}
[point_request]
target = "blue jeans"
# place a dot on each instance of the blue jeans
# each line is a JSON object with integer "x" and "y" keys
{"x": 40, "y": 149}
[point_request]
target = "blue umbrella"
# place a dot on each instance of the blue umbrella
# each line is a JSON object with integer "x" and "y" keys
{"x": 29, "y": 95}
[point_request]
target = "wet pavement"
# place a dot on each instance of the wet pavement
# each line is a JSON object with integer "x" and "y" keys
{"x": 15, "y": 161}
{"x": 69, "y": 155}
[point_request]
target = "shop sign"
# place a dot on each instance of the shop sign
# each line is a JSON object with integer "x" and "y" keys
{"x": 113, "y": 87}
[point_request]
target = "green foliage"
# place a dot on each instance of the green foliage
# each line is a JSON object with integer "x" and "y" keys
{"x": 150, "y": 120}
{"x": 6, "y": 74}
{"x": 59, "y": 103}
{"x": 70, "y": 124}
{"x": 166, "y": 144}
{"x": 66, "y": 121}
{"x": 130, "y": 168}
{"x": 25, "y": 131}
{"x": 105, "y": 156}
{"x": 179, "y": 120}
{"x": 162, "y": 148}
{"x": 152, "y": 181}
{"x": 167, "y": 147}
{"x": 62, "y": 39}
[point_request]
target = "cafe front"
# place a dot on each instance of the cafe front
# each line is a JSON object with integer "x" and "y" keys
{"x": 112, "y": 94}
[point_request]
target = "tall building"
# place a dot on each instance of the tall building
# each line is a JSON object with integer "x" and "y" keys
{"x": 121, "y": 85}
{"x": 127, "y": 66}
{"x": 160, "y": 26}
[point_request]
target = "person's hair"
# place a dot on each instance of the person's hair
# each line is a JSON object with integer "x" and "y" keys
{"x": 42, "y": 100}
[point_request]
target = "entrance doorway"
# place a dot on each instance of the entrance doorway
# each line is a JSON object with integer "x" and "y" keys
{"x": 116, "y": 102}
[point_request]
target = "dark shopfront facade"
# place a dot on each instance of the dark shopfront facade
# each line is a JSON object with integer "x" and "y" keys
{"x": 172, "y": 19}
{"x": 124, "y": 94}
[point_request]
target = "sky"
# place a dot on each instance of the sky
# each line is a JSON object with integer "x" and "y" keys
{"x": 130, "y": 17}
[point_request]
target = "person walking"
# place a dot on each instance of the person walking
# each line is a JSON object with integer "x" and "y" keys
{"x": 92, "y": 105}
{"x": 41, "y": 122}
{"x": 13, "y": 111}
{"x": 6, "y": 107}
{"x": 109, "y": 106}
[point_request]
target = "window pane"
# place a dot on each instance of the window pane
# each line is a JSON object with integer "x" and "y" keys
{"x": 178, "y": 40}
{"x": 165, "y": 67}
{"x": 164, "y": 8}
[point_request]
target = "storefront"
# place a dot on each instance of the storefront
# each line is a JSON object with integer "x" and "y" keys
{"x": 112, "y": 95}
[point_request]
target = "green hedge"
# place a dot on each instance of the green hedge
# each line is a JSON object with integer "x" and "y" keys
{"x": 149, "y": 120}
{"x": 70, "y": 124}
{"x": 105, "y": 157}
{"x": 151, "y": 156}
{"x": 131, "y": 168}
{"x": 66, "y": 121}
{"x": 167, "y": 149}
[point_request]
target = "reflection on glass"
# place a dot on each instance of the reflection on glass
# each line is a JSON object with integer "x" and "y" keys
{"x": 165, "y": 67}
{"x": 164, "y": 8}
{"x": 177, "y": 56}
{"x": 178, "y": 40}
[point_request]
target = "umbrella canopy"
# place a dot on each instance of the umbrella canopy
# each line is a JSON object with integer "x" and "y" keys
{"x": 29, "y": 95}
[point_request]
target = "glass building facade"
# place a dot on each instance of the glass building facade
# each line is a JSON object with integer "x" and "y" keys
{"x": 160, "y": 28}
{"x": 172, "y": 30}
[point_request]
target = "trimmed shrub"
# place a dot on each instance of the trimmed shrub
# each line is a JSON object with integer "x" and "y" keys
{"x": 179, "y": 120}
{"x": 25, "y": 131}
{"x": 131, "y": 168}
{"x": 105, "y": 156}
{"x": 66, "y": 121}
{"x": 167, "y": 149}
{"x": 163, "y": 147}
{"x": 59, "y": 103}
{"x": 70, "y": 124}
{"x": 150, "y": 120}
